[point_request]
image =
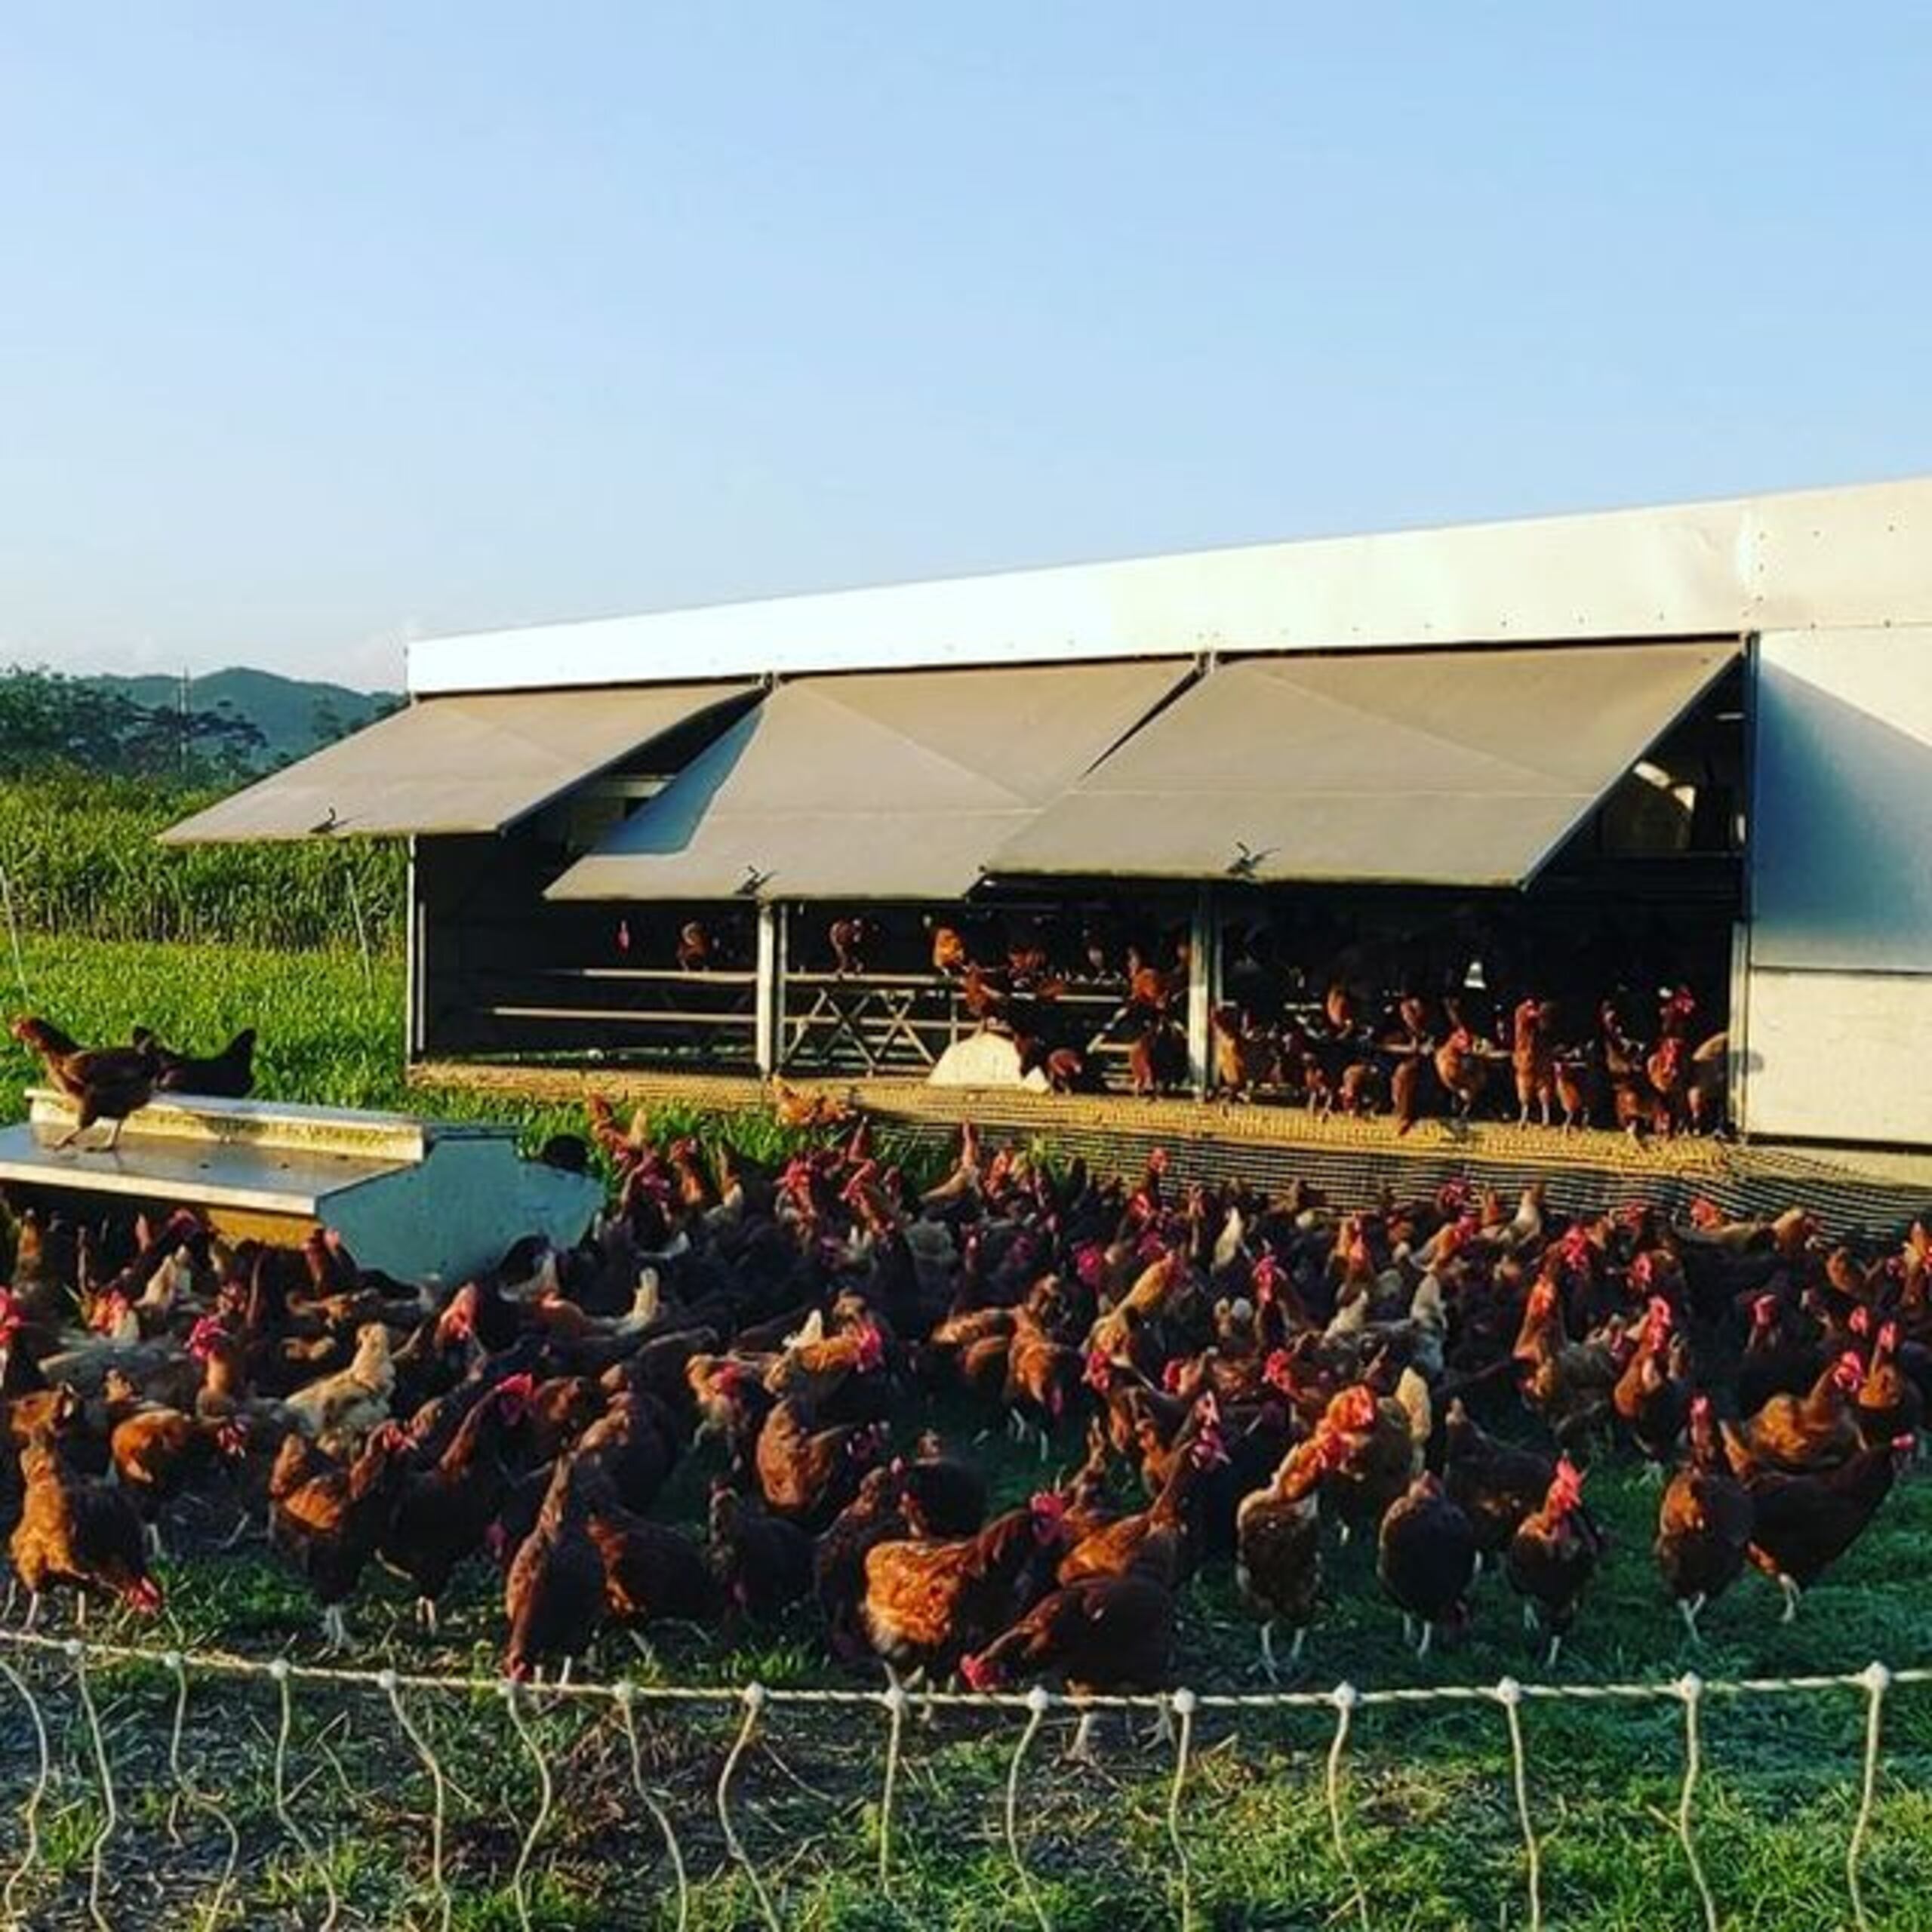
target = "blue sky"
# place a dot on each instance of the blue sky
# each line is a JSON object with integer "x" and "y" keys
{"x": 326, "y": 327}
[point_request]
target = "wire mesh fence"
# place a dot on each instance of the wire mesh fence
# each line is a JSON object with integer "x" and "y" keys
{"x": 203, "y": 1788}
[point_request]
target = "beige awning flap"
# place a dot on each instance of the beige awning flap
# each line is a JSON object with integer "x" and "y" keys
{"x": 1443, "y": 768}
{"x": 885, "y": 786}
{"x": 474, "y": 764}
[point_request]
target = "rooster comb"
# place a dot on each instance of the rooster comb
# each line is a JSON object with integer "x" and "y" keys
{"x": 1355, "y": 1407}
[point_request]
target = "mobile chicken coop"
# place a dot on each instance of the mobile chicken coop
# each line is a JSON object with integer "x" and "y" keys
{"x": 1695, "y": 740}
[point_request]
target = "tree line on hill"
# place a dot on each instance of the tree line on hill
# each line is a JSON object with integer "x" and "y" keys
{"x": 48, "y": 720}
{"x": 51, "y": 722}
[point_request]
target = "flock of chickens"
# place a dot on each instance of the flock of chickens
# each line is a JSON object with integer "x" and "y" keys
{"x": 1415, "y": 1057}
{"x": 1439, "y": 1057}
{"x": 1250, "y": 1378}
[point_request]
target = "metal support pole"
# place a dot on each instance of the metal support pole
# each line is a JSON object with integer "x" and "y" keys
{"x": 414, "y": 935}
{"x": 771, "y": 987}
{"x": 1204, "y": 989}
{"x": 1737, "y": 1074}
{"x": 1738, "y": 1053}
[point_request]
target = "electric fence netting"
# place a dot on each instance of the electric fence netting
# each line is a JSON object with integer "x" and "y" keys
{"x": 204, "y": 1789}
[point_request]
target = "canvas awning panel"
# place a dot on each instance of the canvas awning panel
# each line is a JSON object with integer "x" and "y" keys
{"x": 474, "y": 763}
{"x": 889, "y": 786}
{"x": 1463, "y": 767}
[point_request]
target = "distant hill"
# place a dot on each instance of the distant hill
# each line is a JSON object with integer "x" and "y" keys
{"x": 294, "y": 716}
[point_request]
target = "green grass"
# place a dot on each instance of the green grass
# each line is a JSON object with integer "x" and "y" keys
{"x": 1431, "y": 1823}
{"x": 80, "y": 860}
{"x": 1429, "y": 1815}
{"x": 330, "y": 1030}
{"x": 327, "y": 1030}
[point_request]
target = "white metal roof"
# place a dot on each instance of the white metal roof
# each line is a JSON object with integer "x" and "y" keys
{"x": 1798, "y": 561}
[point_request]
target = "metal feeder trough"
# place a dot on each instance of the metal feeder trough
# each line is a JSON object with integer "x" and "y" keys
{"x": 413, "y": 1197}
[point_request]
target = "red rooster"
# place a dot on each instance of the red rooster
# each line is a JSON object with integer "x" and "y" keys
{"x": 1553, "y": 1555}
{"x": 77, "y": 1531}
{"x": 1531, "y": 1060}
{"x": 1496, "y": 1484}
{"x": 1704, "y": 1523}
{"x": 1798, "y": 1434}
{"x": 1278, "y": 1546}
{"x": 1102, "y": 1634}
{"x": 1802, "y": 1524}
{"x": 927, "y": 1605}
{"x": 1426, "y": 1560}
{"x": 1652, "y": 1396}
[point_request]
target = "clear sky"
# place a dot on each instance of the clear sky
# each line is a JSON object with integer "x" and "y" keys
{"x": 323, "y": 327}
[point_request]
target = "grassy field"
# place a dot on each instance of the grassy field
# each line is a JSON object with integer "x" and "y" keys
{"x": 1430, "y": 1820}
{"x": 328, "y": 1030}
{"x": 331, "y": 1027}
{"x": 1431, "y": 1825}
{"x": 79, "y": 859}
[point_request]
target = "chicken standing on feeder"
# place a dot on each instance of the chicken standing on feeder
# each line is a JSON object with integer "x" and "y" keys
{"x": 227, "y": 1075}
{"x": 104, "y": 1083}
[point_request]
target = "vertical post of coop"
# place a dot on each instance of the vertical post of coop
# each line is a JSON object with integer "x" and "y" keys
{"x": 415, "y": 933}
{"x": 1203, "y": 986}
{"x": 770, "y": 1030}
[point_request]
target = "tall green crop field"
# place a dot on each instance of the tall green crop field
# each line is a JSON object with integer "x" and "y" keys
{"x": 80, "y": 858}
